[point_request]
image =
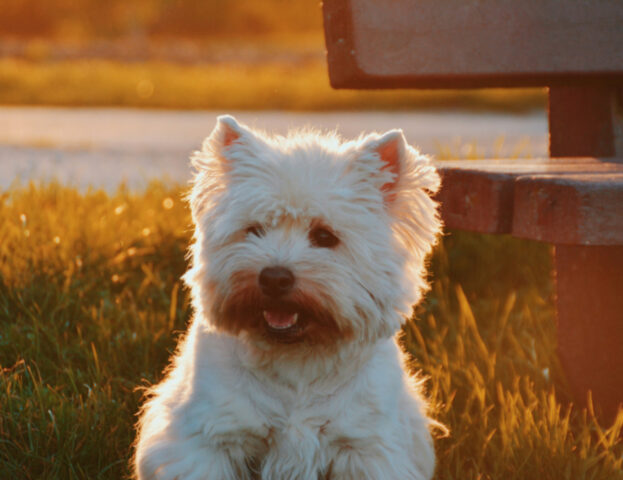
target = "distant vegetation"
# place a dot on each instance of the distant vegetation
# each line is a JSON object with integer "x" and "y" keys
{"x": 227, "y": 85}
{"x": 84, "y": 19}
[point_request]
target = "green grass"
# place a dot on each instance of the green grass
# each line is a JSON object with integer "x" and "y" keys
{"x": 91, "y": 304}
{"x": 236, "y": 84}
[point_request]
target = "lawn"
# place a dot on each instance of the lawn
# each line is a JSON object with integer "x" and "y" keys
{"x": 91, "y": 304}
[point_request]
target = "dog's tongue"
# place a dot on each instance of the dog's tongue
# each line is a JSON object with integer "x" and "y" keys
{"x": 280, "y": 320}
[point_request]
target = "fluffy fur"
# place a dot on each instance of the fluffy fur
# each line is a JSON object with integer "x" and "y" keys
{"x": 331, "y": 399}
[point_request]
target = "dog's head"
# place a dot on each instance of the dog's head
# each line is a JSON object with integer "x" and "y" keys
{"x": 307, "y": 238}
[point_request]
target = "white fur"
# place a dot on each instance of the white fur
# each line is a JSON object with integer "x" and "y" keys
{"x": 238, "y": 406}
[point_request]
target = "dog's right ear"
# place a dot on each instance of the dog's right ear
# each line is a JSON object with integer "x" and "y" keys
{"x": 226, "y": 136}
{"x": 228, "y": 144}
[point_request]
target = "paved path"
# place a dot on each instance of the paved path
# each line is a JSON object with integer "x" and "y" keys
{"x": 101, "y": 147}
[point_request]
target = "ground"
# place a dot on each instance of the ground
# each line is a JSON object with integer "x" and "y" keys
{"x": 91, "y": 304}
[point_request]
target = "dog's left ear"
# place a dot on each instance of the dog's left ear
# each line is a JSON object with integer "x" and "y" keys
{"x": 391, "y": 150}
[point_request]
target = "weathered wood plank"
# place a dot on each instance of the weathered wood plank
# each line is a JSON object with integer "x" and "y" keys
{"x": 473, "y": 43}
{"x": 562, "y": 201}
{"x": 576, "y": 209}
{"x": 476, "y": 200}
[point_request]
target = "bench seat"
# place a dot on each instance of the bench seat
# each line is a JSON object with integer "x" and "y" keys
{"x": 576, "y": 201}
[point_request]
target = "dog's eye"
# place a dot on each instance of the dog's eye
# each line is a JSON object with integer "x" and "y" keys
{"x": 256, "y": 230}
{"x": 321, "y": 237}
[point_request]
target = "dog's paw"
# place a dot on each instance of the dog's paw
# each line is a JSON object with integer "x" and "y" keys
{"x": 294, "y": 454}
{"x": 193, "y": 463}
{"x": 371, "y": 464}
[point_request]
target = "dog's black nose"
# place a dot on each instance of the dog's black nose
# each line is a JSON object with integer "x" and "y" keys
{"x": 276, "y": 281}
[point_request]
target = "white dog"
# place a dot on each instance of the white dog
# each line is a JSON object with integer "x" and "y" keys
{"x": 309, "y": 252}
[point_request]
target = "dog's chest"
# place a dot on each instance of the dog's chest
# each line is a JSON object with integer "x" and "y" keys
{"x": 293, "y": 426}
{"x": 287, "y": 438}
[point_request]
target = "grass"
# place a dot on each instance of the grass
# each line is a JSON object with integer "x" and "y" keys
{"x": 91, "y": 304}
{"x": 300, "y": 83}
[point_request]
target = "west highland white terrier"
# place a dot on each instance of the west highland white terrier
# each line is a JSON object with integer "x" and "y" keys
{"x": 308, "y": 254}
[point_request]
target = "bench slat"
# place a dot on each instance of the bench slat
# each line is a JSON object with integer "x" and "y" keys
{"x": 473, "y": 43}
{"x": 563, "y": 201}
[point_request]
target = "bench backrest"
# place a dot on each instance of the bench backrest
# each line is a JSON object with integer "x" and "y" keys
{"x": 473, "y": 43}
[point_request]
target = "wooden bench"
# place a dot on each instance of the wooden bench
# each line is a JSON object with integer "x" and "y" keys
{"x": 573, "y": 199}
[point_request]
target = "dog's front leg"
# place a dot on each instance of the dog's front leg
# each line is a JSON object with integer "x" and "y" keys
{"x": 190, "y": 460}
{"x": 294, "y": 453}
{"x": 372, "y": 462}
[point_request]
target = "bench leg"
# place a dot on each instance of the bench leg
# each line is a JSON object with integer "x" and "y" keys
{"x": 585, "y": 121}
{"x": 589, "y": 287}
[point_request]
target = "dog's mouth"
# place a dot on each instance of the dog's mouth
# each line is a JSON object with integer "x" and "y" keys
{"x": 284, "y": 323}
{"x": 291, "y": 319}
{"x": 280, "y": 321}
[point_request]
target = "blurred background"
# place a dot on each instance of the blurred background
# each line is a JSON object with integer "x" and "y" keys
{"x": 245, "y": 54}
{"x": 101, "y": 103}
{"x": 181, "y": 62}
